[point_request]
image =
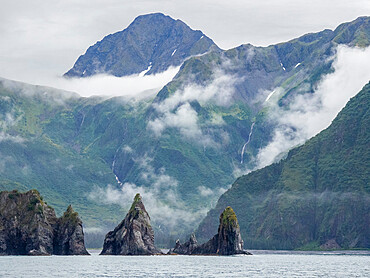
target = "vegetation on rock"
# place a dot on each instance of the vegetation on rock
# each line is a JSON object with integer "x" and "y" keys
{"x": 29, "y": 227}
{"x": 318, "y": 197}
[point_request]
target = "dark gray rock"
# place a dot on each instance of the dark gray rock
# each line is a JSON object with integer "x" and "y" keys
{"x": 134, "y": 235}
{"x": 69, "y": 239}
{"x": 227, "y": 241}
{"x": 152, "y": 42}
{"x": 28, "y": 226}
{"x": 186, "y": 248}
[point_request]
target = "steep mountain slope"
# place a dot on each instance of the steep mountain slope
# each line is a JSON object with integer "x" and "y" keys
{"x": 30, "y": 158}
{"x": 180, "y": 148}
{"x": 151, "y": 43}
{"x": 318, "y": 196}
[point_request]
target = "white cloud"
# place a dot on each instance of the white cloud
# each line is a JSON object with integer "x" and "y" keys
{"x": 13, "y": 138}
{"x": 309, "y": 114}
{"x": 4, "y": 160}
{"x": 127, "y": 149}
{"x": 212, "y": 194}
{"x": 177, "y": 112}
{"x": 185, "y": 118}
{"x": 218, "y": 92}
{"x": 159, "y": 192}
{"x": 94, "y": 230}
{"x": 50, "y": 95}
{"x": 205, "y": 191}
{"x": 107, "y": 85}
{"x": 7, "y": 121}
{"x": 131, "y": 87}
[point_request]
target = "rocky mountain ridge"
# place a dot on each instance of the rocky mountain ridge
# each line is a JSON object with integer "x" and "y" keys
{"x": 150, "y": 44}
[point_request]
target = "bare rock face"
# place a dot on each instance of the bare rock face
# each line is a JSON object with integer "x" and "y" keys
{"x": 134, "y": 235}
{"x": 227, "y": 241}
{"x": 69, "y": 239}
{"x": 28, "y": 226}
{"x": 186, "y": 248}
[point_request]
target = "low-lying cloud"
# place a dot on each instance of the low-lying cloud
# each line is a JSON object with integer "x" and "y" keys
{"x": 309, "y": 114}
{"x": 159, "y": 192}
{"x": 8, "y": 119}
{"x": 177, "y": 112}
{"x": 135, "y": 86}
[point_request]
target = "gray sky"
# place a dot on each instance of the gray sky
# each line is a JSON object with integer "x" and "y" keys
{"x": 40, "y": 39}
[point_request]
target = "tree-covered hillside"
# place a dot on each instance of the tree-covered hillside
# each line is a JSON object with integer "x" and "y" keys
{"x": 319, "y": 196}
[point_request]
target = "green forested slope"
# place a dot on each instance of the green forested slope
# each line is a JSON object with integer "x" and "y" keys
{"x": 320, "y": 194}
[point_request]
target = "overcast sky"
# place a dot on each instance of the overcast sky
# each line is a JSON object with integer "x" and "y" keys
{"x": 39, "y": 38}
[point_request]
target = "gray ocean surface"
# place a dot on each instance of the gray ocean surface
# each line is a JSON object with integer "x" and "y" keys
{"x": 261, "y": 264}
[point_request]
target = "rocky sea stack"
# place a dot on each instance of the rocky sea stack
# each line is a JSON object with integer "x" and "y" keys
{"x": 28, "y": 226}
{"x": 69, "y": 239}
{"x": 227, "y": 241}
{"x": 134, "y": 235}
{"x": 186, "y": 248}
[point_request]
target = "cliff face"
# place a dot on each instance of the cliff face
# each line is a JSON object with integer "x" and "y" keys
{"x": 227, "y": 241}
{"x": 69, "y": 239}
{"x": 28, "y": 226}
{"x": 134, "y": 235}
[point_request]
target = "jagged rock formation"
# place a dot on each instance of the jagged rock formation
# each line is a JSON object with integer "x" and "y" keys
{"x": 184, "y": 249}
{"x": 28, "y": 226}
{"x": 69, "y": 239}
{"x": 227, "y": 241}
{"x": 134, "y": 235}
{"x": 150, "y": 44}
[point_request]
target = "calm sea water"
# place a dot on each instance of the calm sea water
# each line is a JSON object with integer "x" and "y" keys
{"x": 262, "y": 264}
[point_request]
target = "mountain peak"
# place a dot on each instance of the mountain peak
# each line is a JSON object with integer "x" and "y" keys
{"x": 152, "y": 16}
{"x": 150, "y": 44}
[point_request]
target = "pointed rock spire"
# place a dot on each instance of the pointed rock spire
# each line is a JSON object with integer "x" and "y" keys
{"x": 227, "y": 241}
{"x": 69, "y": 238}
{"x": 134, "y": 235}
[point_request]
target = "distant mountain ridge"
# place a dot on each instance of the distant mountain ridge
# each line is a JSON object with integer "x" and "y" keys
{"x": 295, "y": 66}
{"x": 150, "y": 44}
